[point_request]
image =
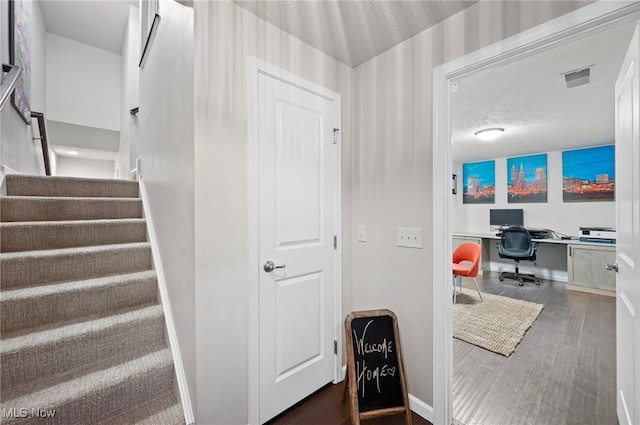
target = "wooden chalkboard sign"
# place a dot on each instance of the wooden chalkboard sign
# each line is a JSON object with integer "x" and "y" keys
{"x": 375, "y": 370}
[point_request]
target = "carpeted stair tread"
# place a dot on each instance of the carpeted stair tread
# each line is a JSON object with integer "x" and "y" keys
{"x": 92, "y": 397}
{"x": 42, "y": 235}
{"x": 49, "y": 350}
{"x": 164, "y": 410}
{"x": 58, "y": 302}
{"x": 19, "y": 269}
{"x": 34, "y": 208}
{"x": 26, "y": 386}
{"x": 48, "y": 334}
{"x": 30, "y": 185}
{"x": 82, "y": 332}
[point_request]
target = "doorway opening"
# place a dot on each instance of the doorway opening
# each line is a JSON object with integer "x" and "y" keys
{"x": 585, "y": 22}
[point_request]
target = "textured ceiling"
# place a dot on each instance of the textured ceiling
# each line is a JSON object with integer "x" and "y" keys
{"x": 353, "y": 31}
{"x": 529, "y": 99}
{"x": 98, "y": 23}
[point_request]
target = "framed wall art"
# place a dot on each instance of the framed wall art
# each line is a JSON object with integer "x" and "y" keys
{"x": 150, "y": 19}
{"x": 20, "y": 54}
{"x": 527, "y": 179}
{"x": 588, "y": 174}
{"x": 478, "y": 182}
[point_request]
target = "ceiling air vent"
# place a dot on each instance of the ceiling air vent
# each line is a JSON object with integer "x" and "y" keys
{"x": 578, "y": 77}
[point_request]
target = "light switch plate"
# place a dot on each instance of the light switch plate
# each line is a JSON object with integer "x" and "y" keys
{"x": 410, "y": 237}
{"x": 362, "y": 233}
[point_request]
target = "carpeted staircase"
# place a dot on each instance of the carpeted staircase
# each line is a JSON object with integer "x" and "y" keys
{"x": 82, "y": 333}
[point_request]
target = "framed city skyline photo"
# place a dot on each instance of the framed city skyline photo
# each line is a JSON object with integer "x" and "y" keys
{"x": 527, "y": 179}
{"x": 478, "y": 182}
{"x": 588, "y": 174}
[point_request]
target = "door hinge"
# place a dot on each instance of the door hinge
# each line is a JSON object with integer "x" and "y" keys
{"x": 335, "y": 347}
{"x": 335, "y": 242}
{"x": 335, "y": 135}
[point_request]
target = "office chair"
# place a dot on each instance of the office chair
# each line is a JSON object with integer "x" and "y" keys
{"x": 470, "y": 252}
{"x": 516, "y": 244}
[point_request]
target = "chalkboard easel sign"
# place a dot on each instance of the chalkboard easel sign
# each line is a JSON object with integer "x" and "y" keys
{"x": 375, "y": 370}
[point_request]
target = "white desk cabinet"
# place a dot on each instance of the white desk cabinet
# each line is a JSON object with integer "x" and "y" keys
{"x": 586, "y": 271}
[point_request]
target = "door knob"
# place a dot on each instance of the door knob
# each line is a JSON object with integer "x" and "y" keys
{"x": 611, "y": 267}
{"x": 269, "y": 266}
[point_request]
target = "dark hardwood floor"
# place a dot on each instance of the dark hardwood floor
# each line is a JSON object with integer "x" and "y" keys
{"x": 326, "y": 407}
{"x": 562, "y": 372}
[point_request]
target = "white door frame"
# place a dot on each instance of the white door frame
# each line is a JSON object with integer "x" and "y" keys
{"x": 254, "y": 68}
{"x": 578, "y": 24}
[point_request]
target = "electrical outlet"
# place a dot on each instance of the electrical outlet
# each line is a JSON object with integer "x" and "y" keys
{"x": 362, "y": 233}
{"x": 410, "y": 237}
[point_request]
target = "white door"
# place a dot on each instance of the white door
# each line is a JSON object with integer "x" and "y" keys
{"x": 628, "y": 243}
{"x": 298, "y": 219}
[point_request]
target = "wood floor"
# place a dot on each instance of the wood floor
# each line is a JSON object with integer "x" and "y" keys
{"x": 563, "y": 371}
{"x": 326, "y": 407}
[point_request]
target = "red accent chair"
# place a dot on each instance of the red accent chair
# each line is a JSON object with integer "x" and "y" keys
{"x": 467, "y": 252}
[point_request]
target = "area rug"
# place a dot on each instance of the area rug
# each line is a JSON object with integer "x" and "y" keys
{"x": 498, "y": 324}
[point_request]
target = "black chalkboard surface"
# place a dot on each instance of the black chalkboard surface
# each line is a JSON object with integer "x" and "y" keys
{"x": 375, "y": 371}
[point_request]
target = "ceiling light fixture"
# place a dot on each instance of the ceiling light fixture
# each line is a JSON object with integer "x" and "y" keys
{"x": 489, "y": 133}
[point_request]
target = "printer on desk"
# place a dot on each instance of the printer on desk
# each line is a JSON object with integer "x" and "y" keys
{"x": 598, "y": 234}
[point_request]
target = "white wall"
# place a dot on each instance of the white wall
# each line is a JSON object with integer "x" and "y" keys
{"x": 84, "y": 84}
{"x": 53, "y": 162}
{"x": 392, "y": 156}
{"x": 166, "y": 148}
{"x": 18, "y": 150}
{"x": 130, "y": 94}
{"x": 83, "y": 167}
{"x": 555, "y": 214}
{"x": 225, "y": 36}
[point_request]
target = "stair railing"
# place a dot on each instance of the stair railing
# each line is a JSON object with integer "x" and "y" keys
{"x": 44, "y": 139}
{"x": 8, "y": 84}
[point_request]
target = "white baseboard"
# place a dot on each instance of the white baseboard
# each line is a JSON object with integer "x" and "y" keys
{"x": 344, "y": 373}
{"x": 421, "y": 408}
{"x": 415, "y": 404}
{"x": 181, "y": 376}
{"x": 4, "y": 171}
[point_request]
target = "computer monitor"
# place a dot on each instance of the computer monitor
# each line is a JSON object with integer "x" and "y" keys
{"x": 506, "y": 217}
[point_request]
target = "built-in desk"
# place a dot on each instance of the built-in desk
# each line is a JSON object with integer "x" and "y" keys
{"x": 580, "y": 264}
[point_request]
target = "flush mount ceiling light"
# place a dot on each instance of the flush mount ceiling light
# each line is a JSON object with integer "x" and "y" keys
{"x": 489, "y": 133}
